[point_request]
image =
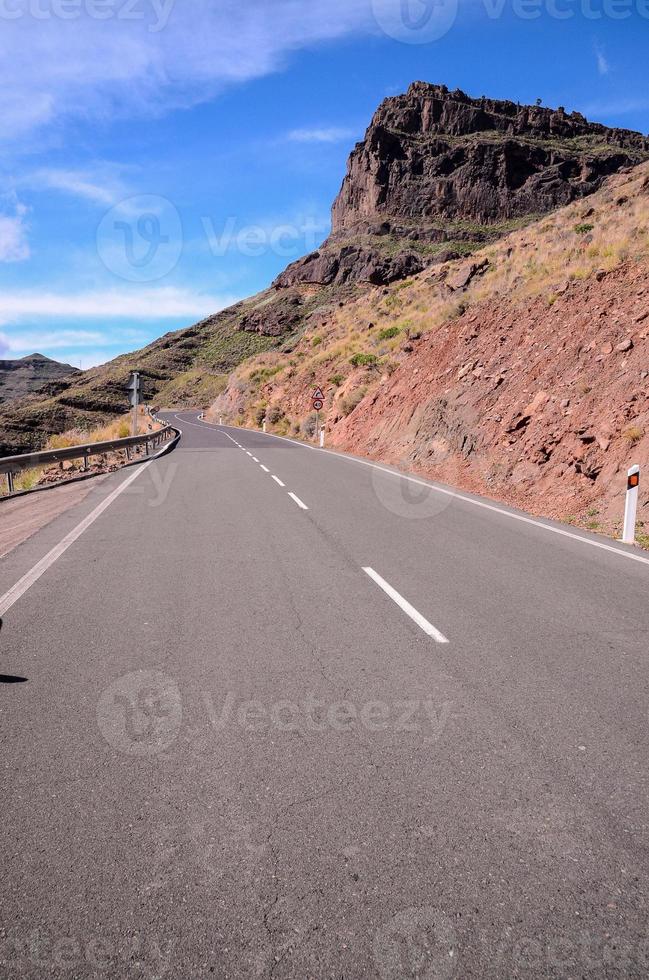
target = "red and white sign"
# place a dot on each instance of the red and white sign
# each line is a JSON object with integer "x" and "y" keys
{"x": 318, "y": 400}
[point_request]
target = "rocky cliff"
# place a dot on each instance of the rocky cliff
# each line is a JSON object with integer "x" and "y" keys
{"x": 439, "y": 174}
{"x": 26, "y": 375}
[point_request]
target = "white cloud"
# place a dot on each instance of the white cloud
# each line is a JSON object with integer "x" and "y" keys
{"x": 14, "y": 246}
{"x": 140, "y": 304}
{"x": 615, "y": 107}
{"x": 101, "y": 186}
{"x": 137, "y": 62}
{"x": 603, "y": 66}
{"x": 324, "y": 134}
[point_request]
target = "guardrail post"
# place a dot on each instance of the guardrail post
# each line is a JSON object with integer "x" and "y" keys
{"x": 10, "y": 482}
{"x": 631, "y": 505}
{"x": 128, "y": 453}
{"x": 147, "y": 445}
{"x": 86, "y": 463}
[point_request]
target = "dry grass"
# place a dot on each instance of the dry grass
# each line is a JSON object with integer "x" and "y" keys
{"x": 539, "y": 260}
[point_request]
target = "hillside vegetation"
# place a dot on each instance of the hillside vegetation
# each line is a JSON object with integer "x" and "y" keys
{"x": 521, "y": 373}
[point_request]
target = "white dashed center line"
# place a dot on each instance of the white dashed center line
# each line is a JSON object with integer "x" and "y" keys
{"x": 264, "y": 468}
{"x": 407, "y": 608}
{"x": 277, "y": 480}
{"x": 297, "y": 500}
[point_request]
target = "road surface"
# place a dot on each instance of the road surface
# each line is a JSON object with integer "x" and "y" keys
{"x": 286, "y": 714}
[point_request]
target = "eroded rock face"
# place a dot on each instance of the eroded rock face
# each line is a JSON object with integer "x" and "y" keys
{"x": 350, "y": 263}
{"x": 439, "y": 174}
{"x": 432, "y": 155}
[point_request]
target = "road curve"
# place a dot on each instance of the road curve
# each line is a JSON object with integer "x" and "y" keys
{"x": 276, "y": 712}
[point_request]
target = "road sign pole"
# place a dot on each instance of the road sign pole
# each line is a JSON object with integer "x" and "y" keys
{"x": 136, "y": 398}
{"x": 631, "y": 506}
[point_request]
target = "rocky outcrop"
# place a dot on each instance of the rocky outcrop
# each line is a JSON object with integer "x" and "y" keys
{"x": 434, "y": 156}
{"x": 351, "y": 263}
{"x": 33, "y": 373}
{"x": 439, "y": 174}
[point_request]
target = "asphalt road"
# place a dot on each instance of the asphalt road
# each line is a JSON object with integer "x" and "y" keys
{"x": 395, "y": 734}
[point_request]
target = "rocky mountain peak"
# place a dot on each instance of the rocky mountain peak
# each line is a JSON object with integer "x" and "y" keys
{"x": 440, "y": 173}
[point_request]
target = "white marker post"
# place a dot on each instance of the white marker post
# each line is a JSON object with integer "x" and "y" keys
{"x": 220, "y": 420}
{"x": 263, "y": 426}
{"x": 322, "y": 435}
{"x": 631, "y": 507}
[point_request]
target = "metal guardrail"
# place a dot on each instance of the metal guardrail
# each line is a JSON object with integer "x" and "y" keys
{"x": 11, "y": 465}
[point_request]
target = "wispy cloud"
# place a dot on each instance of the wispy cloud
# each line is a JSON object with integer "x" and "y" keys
{"x": 615, "y": 107}
{"x": 14, "y": 246}
{"x": 166, "y": 302}
{"x": 321, "y": 134}
{"x": 102, "y": 185}
{"x": 147, "y": 58}
{"x": 603, "y": 66}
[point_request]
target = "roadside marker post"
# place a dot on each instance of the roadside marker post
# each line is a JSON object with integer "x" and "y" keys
{"x": 322, "y": 437}
{"x": 631, "y": 506}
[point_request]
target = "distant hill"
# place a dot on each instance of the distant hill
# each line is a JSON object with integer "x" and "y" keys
{"x": 438, "y": 176}
{"x": 28, "y": 375}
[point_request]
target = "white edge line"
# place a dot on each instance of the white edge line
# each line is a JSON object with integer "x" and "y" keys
{"x": 494, "y": 508}
{"x": 33, "y": 575}
{"x": 297, "y": 500}
{"x": 409, "y": 610}
{"x": 278, "y": 481}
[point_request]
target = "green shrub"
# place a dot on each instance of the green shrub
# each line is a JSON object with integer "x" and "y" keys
{"x": 316, "y": 341}
{"x": 583, "y": 229}
{"x": 336, "y": 380}
{"x": 389, "y": 333}
{"x": 363, "y": 360}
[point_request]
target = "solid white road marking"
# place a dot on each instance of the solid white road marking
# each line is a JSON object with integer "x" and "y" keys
{"x": 264, "y": 468}
{"x": 494, "y": 508}
{"x": 277, "y": 480}
{"x": 297, "y": 500}
{"x": 409, "y": 610}
{"x": 26, "y": 582}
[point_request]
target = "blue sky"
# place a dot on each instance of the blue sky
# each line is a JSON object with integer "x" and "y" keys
{"x": 162, "y": 159}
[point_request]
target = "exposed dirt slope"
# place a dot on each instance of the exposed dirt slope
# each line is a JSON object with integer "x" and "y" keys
{"x": 522, "y": 374}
